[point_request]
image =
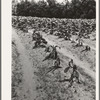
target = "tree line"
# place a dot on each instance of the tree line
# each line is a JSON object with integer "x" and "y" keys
{"x": 52, "y": 9}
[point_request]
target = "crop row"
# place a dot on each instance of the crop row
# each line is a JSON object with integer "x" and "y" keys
{"x": 62, "y": 25}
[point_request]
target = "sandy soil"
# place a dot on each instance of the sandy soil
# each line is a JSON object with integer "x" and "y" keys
{"x": 36, "y": 85}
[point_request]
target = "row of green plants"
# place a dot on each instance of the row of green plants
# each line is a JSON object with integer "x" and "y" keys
{"x": 63, "y": 27}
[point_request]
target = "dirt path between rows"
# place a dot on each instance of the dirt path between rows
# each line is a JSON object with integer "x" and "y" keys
{"x": 29, "y": 92}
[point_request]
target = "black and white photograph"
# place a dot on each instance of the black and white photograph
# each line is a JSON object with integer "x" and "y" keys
{"x": 53, "y": 45}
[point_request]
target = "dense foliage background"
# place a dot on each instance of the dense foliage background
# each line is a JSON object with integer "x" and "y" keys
{"x": 51, "y": 8}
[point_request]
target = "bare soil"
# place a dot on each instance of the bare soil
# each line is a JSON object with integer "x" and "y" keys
{"x": 35, "y": 84}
